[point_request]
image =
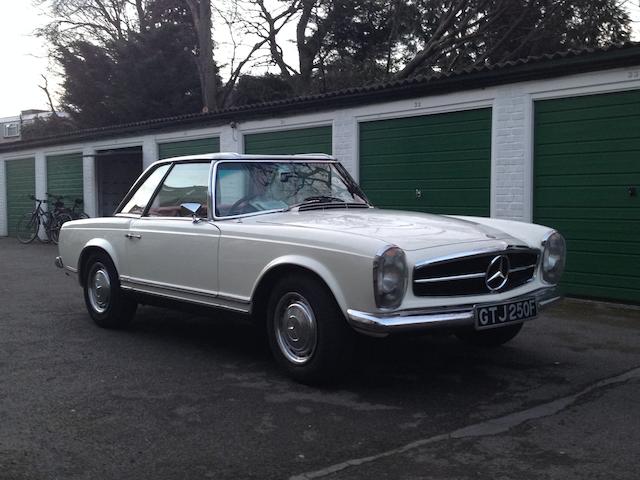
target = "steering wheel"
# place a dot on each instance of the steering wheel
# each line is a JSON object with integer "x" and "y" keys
{"x": 241, "y": 202}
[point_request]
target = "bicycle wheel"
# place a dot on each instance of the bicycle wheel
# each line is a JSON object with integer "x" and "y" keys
{"x": 27, "y": 228}
{"x": 57, "y": 222}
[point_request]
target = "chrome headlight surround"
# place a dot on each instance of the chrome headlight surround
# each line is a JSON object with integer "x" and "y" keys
{"x": 554, "y": 256}
{"x": 390, "y": 277}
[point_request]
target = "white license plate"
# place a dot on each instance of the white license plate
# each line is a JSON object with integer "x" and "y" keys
{"x": 491, "y": 316}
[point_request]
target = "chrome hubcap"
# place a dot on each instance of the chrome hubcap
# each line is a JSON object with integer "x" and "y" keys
{"x": 99, "y": 288}
{"x": 296, "y": 329}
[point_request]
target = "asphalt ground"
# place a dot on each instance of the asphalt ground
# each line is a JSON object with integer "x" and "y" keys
{"x": 177, "y": 396}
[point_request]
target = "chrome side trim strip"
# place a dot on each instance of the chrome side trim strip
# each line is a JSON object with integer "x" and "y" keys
{"x": 188, "y": 300}
{"x": 207, "y": 297}
{"x": 166, "y": 286}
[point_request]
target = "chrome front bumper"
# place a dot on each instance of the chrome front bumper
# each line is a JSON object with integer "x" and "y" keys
{"x": 382, "y": 324}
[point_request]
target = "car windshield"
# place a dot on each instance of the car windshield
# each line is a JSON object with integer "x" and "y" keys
{"x": 243, "y": 188}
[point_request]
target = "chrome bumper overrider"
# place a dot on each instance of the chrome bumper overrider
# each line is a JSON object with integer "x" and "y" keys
{"x": 58, "y": 262}
{"x": 381, "y": 324}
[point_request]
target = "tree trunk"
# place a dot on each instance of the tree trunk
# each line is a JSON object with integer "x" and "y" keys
{"x": 201, "y": 14}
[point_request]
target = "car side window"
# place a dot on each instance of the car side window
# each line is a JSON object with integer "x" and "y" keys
{"x": 186, "y": 183}
{"x": 139, "y": 200}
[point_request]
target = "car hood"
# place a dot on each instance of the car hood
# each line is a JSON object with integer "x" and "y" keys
{"x": 408, "y": 230}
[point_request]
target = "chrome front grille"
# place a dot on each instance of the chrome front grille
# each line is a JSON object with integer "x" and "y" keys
{"x": 467, "y": 274}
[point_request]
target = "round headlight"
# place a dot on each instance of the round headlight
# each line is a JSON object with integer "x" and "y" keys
{"x": 389, "y": 277}
{"x": 554, "y": 257}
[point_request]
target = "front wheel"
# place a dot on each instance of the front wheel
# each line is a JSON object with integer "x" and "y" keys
{"x": 490, "y": 338}
{"x": 307, "y": 332}
{"x": 27, "y": 228}
{"x": 108, "y": 305}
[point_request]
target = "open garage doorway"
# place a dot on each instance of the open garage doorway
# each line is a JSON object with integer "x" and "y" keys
{"x": 116, "y": 170}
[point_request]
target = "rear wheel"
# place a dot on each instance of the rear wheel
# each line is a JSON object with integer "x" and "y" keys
{"x": 489, "y": 338}
{"x": 27, "y": 228}
{"x": 107, "y": 304}
{"x": 58, "y": 221}
{"x": 307, "y": 332}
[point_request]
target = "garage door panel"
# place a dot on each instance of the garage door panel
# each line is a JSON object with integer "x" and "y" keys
{"x": 444, "y": 200}
{"x": 596, "y": 214}
{"x": 611, "y": 112}
{"x": 189, "y": 147}
{"x": 612, "y": 196}
{"x": 434, "y": 129}
{"x": 595, "y": 230}
{"x": 588, "y": 180}
{"x": 20, "y": 178}
{"x": 289, "y": 142}
{"x": 455, "y": 120}
{"x": 590, "y": 131}
{"x": 588, "y": 147}
{"x": 446, "y": 156}
{"x": 616, "y": 293}
{"x": 587, "y": 154}
{"x": 469, "y": 143}
{"x": 65, "y": 177}
{"x": 586, "y": 164}
{"x": 437, "y": 170}
{"x": 606, "y": 264}
{"x": 470, "y": 157}
{"x": 586, "y": 102}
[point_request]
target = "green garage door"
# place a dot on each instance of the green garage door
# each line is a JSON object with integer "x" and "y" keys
{"x": 434, "y": 163}
{"x": 189, "y": 147}
{"x": 21, "y": 182}
{"x": 289, "y": 142}
{"x": 64, "y": 176}
{"x": 587, "y": 182}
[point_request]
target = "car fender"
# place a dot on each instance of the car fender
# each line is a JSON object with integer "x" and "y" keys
{"x": 312, "y": 265}
{"x": 104, "y": 245}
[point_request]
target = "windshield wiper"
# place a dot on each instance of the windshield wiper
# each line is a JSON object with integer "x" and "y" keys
{"x": 322, "y": 198}
{"x": 315, "y": 199}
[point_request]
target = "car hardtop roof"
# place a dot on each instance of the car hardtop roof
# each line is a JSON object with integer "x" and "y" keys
{"x": 239, "y": 157}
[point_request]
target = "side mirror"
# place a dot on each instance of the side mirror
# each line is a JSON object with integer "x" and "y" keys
{"x": 192, "y": 209}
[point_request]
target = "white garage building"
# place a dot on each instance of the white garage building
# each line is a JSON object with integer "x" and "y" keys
{"x": 552, "y": 139}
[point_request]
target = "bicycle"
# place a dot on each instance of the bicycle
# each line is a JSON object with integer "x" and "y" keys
{"x": 75, "y": 211}
{"x": 29, "y": 224}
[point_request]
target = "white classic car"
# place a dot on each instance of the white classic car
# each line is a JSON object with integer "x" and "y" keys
{"x": 293, "y": 242}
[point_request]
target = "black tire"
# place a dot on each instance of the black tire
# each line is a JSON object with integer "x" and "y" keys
{"x": 27, "y": 228}
{"x": 311, "y": 358}
{"x": 113, "y": 309}
{"x": 58, "y": 221}
{"x": 489, "y": 338}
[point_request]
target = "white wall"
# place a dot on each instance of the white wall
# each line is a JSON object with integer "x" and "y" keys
{"x": 512, "y": 134}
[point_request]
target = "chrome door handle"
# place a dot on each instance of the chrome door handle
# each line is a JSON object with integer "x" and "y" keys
{"x": 133, "y": 235}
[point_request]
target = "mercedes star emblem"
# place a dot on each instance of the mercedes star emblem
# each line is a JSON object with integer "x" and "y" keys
{"x": 497, "y": 273}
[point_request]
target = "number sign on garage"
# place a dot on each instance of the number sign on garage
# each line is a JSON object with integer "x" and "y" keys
{"x": 587, "y": 175}
{"x": 64, "y": 176}
{"x": 189, "y": 147}
{"x": 434, "y": 163}
{"x": 21, "y": 183}
{"x": 289, "y": 142}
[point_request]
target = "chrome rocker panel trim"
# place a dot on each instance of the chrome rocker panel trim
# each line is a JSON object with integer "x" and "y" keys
{"x": 382, "y": 324}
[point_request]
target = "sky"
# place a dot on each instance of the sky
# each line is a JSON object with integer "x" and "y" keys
{"x": 23, "y": 56}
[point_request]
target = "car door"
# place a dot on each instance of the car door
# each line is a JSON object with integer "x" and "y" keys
{"x": 170, "y": 252}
